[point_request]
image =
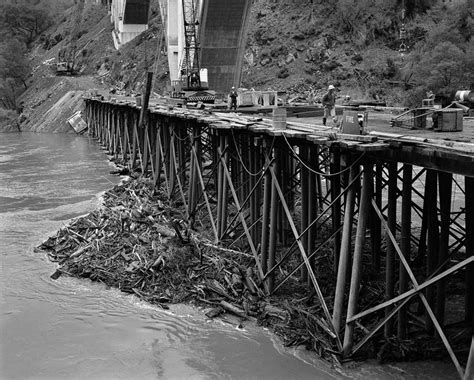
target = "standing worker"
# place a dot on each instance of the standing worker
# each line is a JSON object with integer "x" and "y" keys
{"x": 329, "y": 104}
{"x": 233, "y": 99}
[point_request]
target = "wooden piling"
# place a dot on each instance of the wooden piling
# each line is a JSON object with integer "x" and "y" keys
{"x": 432, "y": 238}
{"x": 422, "y": 246}
{"x": 364, "y": 210}
{"x": 304, "y": 174}
{"x": 172, "y": 158}
{"x": 284, "y": 167}
{"x": 125, "y": 137}
{"x": 391, "y": 252}
{"x": 344, "y": 256}
{"x": 313, "y": 158}
{"x": 145, "y": 131}
{"x": 224, "y": 185}
{"x": 335, "y": 167}
{"x": 375, "y": 226}
{"x": 134, "y": 152}
{"x": 146, "y": 97}
{"x": 273, "y": 217}
{"x": 445, "y": 190}
{"x": 158, "y": 157}
{"x": 254, "y": 168}
{"x": 405, "y": 245}
{"x": 267, "y": 191}
{"x": 220, "y": 175}
{"x": 469, "y": 243}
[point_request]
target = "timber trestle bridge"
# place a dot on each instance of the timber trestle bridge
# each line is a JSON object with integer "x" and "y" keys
{"x": 394, "y": 212}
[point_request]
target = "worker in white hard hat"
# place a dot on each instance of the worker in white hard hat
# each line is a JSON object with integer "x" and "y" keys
{"x": 233, "y": 99}
{"x": 329, "y": 104}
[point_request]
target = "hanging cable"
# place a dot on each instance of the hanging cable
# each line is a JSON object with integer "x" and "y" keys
{"x": 297, "y": 157}
{"x": 241, "y": 160}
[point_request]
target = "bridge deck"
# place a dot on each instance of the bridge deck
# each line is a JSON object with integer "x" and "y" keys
{"x": 446, "y": 151}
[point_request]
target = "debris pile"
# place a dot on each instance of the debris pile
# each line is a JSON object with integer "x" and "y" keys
{"x": 138, "y": 244}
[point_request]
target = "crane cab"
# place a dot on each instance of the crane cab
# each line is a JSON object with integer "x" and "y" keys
{"x": 193, "y": 88}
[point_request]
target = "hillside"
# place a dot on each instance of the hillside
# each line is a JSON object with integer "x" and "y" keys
{"x": 296, "y": 46}
{"x": 303, "y": 46}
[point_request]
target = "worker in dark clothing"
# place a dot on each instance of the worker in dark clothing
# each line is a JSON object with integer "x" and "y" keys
{"x": 233, "y": 99}
{"x": 329, "y": 104}
{"x": 195, "y": 81}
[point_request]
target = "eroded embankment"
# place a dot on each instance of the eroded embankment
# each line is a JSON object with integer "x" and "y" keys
{"x": 52, "y": 101}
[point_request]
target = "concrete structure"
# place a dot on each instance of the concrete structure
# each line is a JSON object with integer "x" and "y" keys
{"x": 130, "y": 18}
{"x": 222, "y": 38}
{"x": 172, "y": 14}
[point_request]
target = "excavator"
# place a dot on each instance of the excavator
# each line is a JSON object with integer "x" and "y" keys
{"x": 66, "y": 64}
{"x": 191, "y": 85}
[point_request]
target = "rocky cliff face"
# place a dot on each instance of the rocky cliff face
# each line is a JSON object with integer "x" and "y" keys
{"x": 299, "y": 46}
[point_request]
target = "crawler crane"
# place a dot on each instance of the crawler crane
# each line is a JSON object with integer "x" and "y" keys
{"x": 192, "y": 83}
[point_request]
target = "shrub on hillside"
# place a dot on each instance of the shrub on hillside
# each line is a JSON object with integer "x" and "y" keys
{"x": 283, "y": 73}
{"x": 7, "y": 115}
{"x": 279, "y": 50}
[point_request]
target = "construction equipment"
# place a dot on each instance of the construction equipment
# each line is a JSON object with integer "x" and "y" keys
{"x": 191, "y": 85}
{"x": 464, "y": 99}
{"x": 448, "y": 119}
{"x": 66, "y": 64}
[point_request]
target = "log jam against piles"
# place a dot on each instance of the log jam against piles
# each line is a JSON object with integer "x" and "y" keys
{"x": 354, "y": 246}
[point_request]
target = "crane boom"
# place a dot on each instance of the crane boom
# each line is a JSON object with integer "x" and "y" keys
{"x": 190, "y": 67}
{"x": 191, "y": 85}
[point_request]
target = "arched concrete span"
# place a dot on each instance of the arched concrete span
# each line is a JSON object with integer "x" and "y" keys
{"x": 222, "y": 35}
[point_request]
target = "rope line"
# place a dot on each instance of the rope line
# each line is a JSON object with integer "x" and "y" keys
{"x": 241, "y": 160}
{"x": 318, "y": 172}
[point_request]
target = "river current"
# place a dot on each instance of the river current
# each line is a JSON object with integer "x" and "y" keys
{"x": 76, "y": 329}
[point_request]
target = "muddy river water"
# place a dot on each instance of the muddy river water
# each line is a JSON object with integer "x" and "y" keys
{"x": 75, "y": 329}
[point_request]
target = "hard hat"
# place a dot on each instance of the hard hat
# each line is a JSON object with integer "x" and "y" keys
{"x": 233, "y": 88}
{"x": 331, "y": 87}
